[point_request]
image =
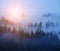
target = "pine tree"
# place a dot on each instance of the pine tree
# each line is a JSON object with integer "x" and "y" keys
{"x": 14, "y": 30}
{"x": 9, "y": 30}
{"x": 32, "y": 34}
{"x": 5, "y": 28}
{"x": 47, "y": 24}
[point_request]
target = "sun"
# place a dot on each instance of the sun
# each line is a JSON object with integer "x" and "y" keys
{"x": 15, "y": 12}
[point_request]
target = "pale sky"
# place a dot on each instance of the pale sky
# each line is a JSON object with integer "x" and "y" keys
{"x": 32, "y": 7}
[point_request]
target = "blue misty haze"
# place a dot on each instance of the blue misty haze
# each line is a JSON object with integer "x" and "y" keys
{"x": 32, "y": 7}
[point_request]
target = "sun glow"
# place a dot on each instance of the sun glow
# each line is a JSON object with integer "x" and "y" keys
{"x": 15, "y": 13}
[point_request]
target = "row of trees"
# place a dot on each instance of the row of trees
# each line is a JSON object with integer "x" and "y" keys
{"x": 6, "y": 21}
{"x": 47, "y": 24}
{"x": 23, "y": 34}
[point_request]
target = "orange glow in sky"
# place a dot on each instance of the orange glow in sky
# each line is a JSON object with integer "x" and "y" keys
{"x": 15, "y": 13}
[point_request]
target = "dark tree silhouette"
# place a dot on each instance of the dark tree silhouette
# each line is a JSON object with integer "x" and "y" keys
{"x": 35, "y": 25}
{"x": 14, "y": 30}
{"x": 21, "y": 33}
{"x": 1, "y": 29}
{"x": 9, "y": 30}
{"x": 47, "y": 24}
{"x": 32, "y": 34}
{"x": 5, "y": 28}
{"x": 56, "y": 37}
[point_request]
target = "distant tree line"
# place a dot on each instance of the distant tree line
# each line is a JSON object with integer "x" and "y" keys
{"x": 22, "y": 34}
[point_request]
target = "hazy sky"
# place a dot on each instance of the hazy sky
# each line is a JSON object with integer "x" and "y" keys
{"x": 31, "y": 7}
